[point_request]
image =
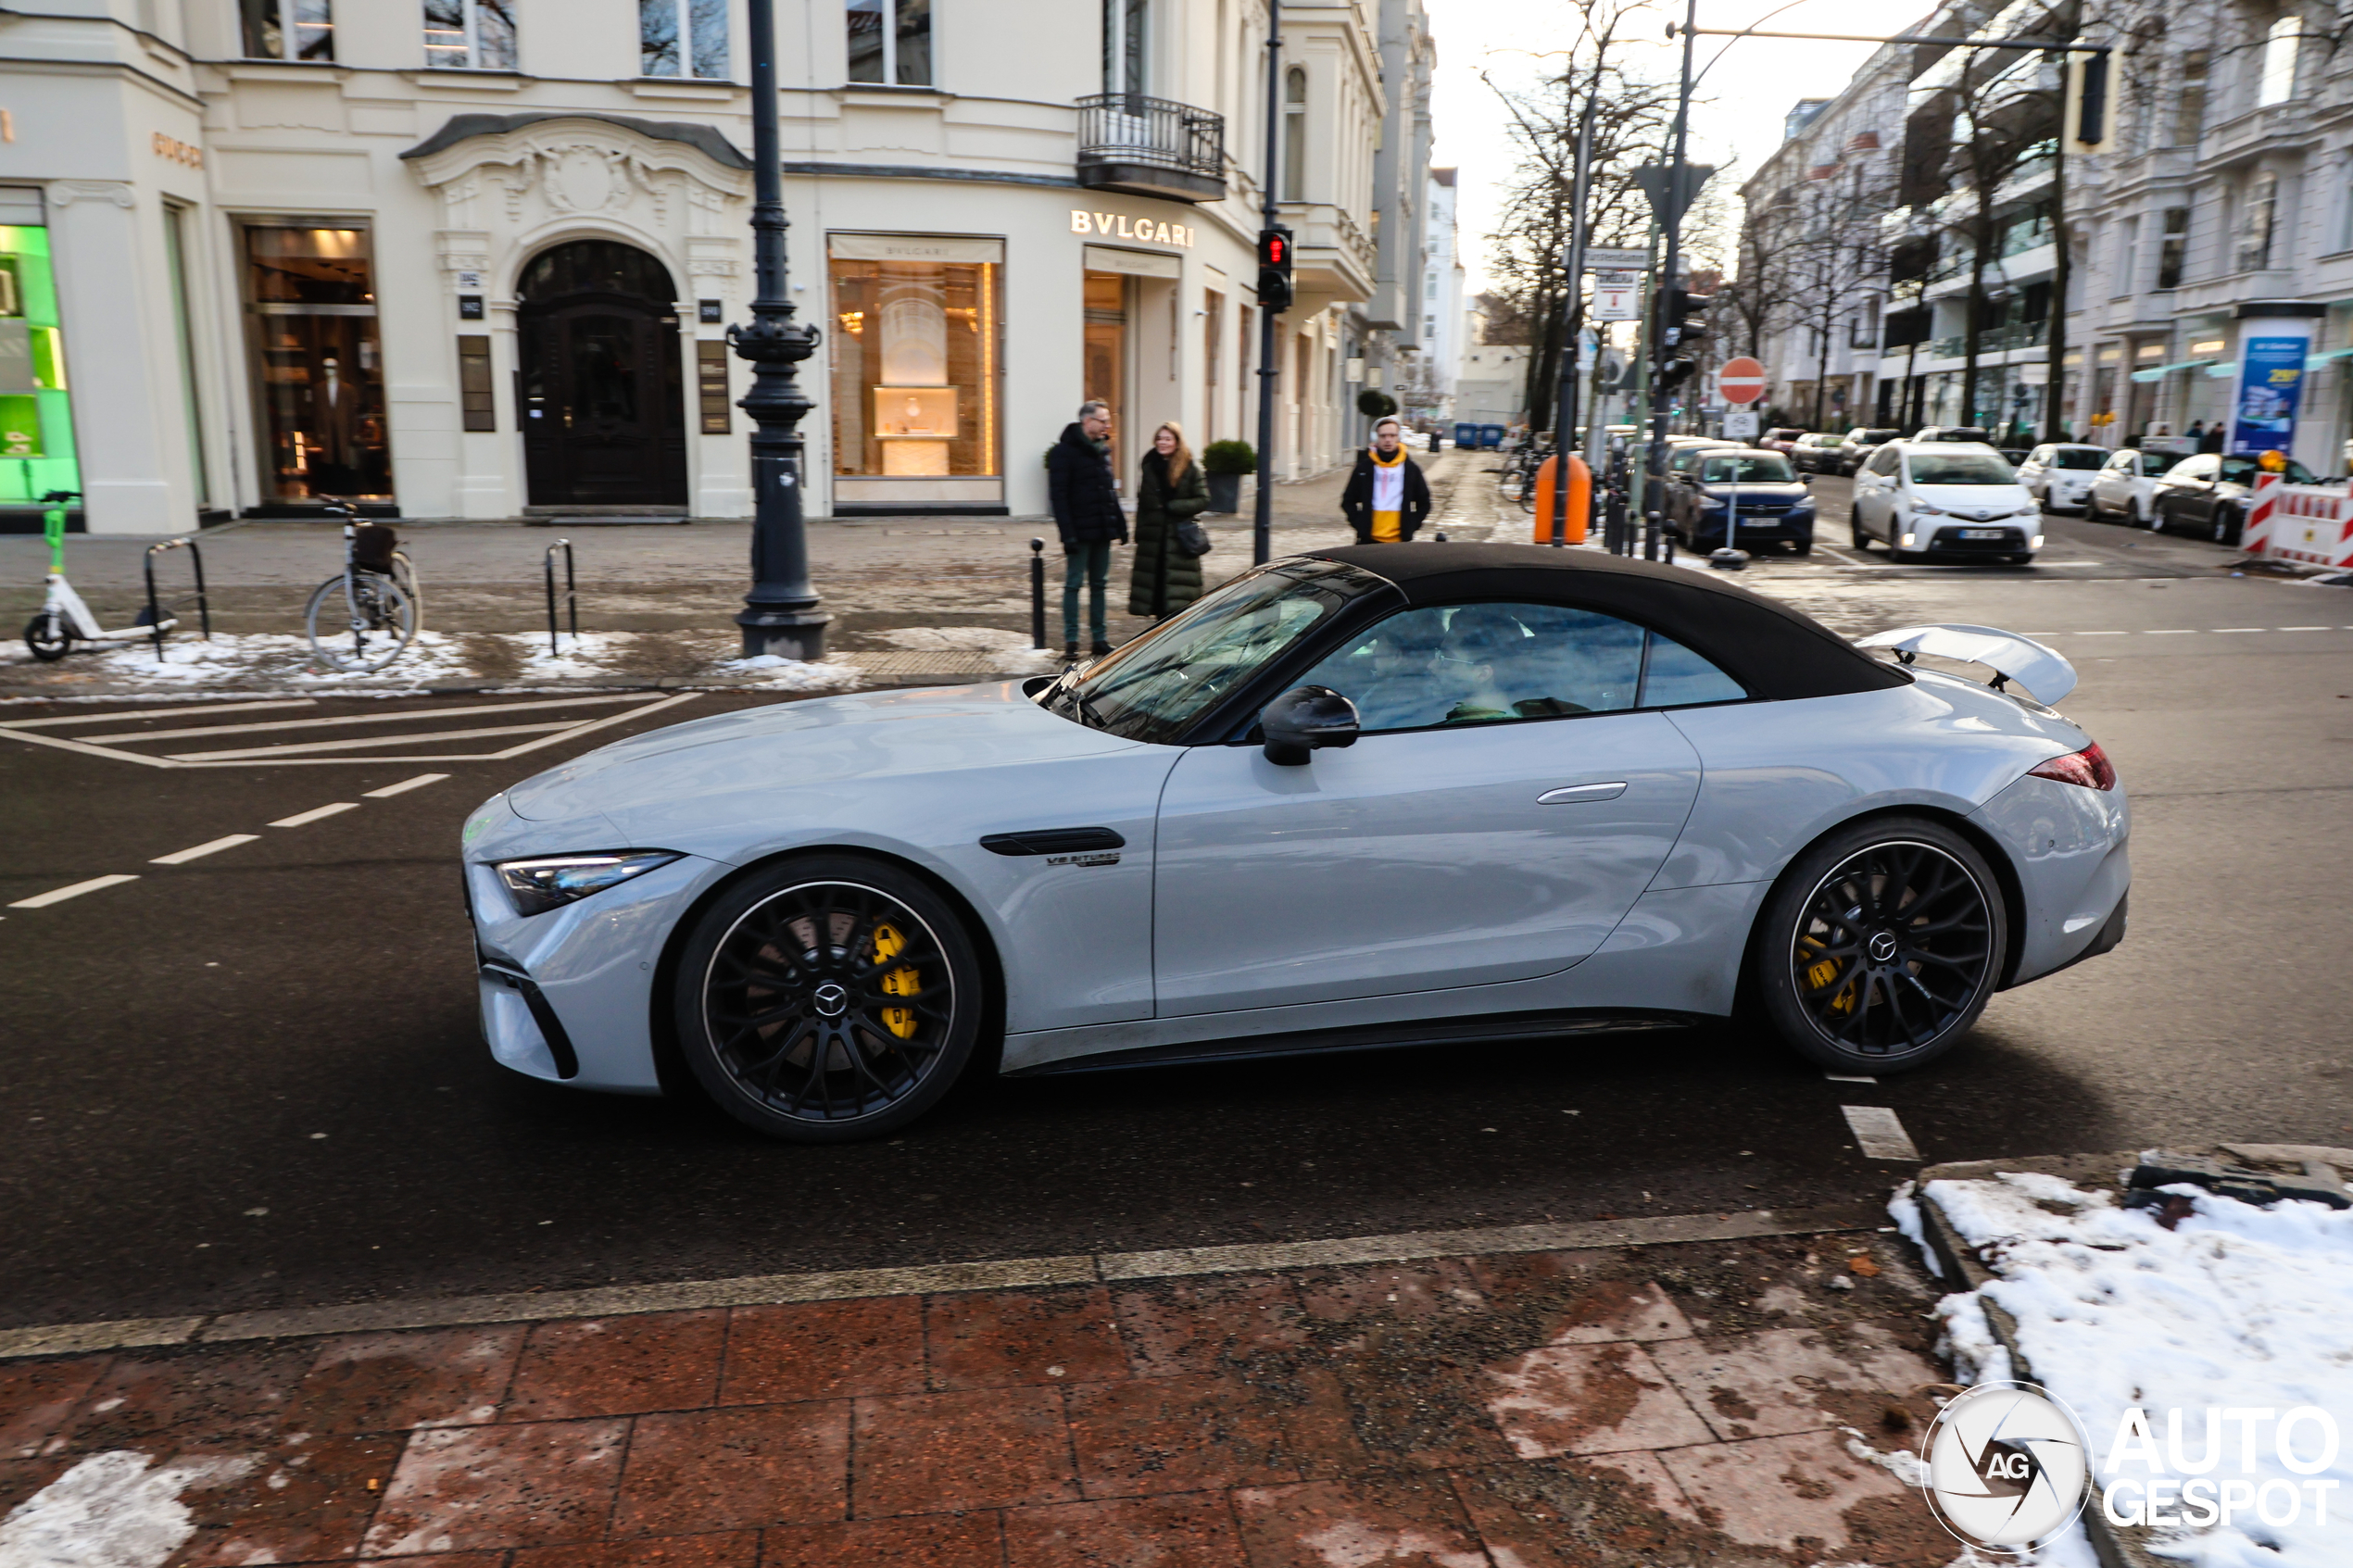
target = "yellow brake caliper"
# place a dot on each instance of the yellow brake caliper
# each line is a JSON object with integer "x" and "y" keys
{"x": 889, "y": 945}
{"x": 1820, "y": 972}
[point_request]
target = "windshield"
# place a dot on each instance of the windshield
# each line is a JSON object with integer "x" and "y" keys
{"x": 1763, "y": 469}
{"x": 2078, "y": 458}
{"x": 2245, "y": 471}
{"x": 1874, "y": 437}
{"x": 1153, "y": 688}
{"x": 1960, "y": 468}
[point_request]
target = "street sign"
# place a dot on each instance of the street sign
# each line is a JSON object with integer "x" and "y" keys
{"x": 1617, "y": 296}
{"x": 1742, "y": 425}
{"x": 1741, "y": 381}
{"x": 1598, "y": 260}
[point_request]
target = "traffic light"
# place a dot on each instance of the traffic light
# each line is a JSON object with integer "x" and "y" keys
{"x": 1681, "y": 315}
{"x": 1274, "y": 270}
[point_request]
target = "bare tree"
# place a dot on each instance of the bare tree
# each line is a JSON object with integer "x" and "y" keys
{"x": 1829, "y": 246}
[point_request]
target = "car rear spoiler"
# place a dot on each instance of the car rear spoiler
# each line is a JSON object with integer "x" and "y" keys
{"x": 2012, "y": 657}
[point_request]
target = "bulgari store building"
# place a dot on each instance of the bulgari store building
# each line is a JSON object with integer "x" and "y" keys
{"x": 484, "y": 267}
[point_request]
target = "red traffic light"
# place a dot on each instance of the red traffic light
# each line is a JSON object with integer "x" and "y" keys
{"x": 1274, "y": 249}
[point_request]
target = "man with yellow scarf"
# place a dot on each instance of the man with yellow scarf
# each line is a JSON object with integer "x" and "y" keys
{"x": 1387, "y": 498}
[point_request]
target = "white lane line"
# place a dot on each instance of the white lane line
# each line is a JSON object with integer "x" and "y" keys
{"x": 1878, "y": 1133}
{"x": 452, "y": 711}
{"x": 2305, "y": 628}
{"x": 562, "y": 728}
{"x": 183, "y": 711}
{"x": 1848, "y": 1078}
{"x": 302, "y": 818}
{"x": 2226, "y": 631}
{"x": 2172, "y": 632}
{"x": 2101, "y": 633}
{"x": 182, "y": 856}
{"x": 59, "y": 895}
{"x": 403, "y": 788}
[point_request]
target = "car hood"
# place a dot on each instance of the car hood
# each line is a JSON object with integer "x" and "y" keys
{"x": 1974, "y": 497}
{"x": 818, "y": 742}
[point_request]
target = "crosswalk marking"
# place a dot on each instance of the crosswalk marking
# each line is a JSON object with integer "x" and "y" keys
{"x": 183, "y": 711}
{"x": 346, "y": 721}
{"x": 363, "y": 742}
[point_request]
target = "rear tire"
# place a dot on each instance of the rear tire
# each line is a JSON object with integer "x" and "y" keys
{"x": 1881, "y": 946}
{"x": 48, "y": 637}
{"x": 829, "y": 998}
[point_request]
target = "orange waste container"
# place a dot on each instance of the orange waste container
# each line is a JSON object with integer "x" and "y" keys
{"x": 1580, "y": 499}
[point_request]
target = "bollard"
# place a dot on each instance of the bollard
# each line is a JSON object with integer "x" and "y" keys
{"x": 1038, "y": 593}
{"x": 572, "y": 592}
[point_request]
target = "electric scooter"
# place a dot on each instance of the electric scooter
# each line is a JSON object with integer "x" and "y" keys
{"x": 63, "y": 618}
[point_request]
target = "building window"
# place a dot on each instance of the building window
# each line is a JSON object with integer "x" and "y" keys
{"x": 2256, "y": 222}
{"x": 2277, "y": 85}
{"x": 2173, "y": 250}
{"x": 682, "y": 38}
{"x": 36, "y": 413}
{"x": 1126, "y": 28}
{"x": 288, "y": 29}
{"x": 2189, "y": 101}
{"x": 915, "y": 352}
{"x": 1212, "y": 361}
{"x": 890, "y": 42}
{"x": 476, "y": 406}
{"x": 310, "y": 300}
{"x": 469, "y": 35}
{"x": 2128, "y": 256}
{"x": 1865, "y": 327}
{"x": 1295, "y": 135}
{"x": 711, "y": 384}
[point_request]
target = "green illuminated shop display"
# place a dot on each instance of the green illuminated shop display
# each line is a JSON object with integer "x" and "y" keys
{"x": 36, "y": 422}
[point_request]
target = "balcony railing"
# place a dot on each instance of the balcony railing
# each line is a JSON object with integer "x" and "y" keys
{"x": 1151, "y": 146}
{"x": 1992, "y": 341}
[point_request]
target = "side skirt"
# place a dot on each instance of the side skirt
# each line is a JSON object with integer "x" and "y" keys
{"x": 1495, "y": 1029}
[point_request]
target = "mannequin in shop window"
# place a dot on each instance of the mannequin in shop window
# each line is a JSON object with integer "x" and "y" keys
{"x": 334, "y": 438}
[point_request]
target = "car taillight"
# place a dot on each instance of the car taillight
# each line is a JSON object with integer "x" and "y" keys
{"x": 2089, "y": 767}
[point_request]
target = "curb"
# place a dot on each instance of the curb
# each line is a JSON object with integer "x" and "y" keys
{"x": 58, "y": 1340}
{"x": 2116, "y": 1545}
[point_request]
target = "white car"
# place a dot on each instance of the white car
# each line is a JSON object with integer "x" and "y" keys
{"x": 1953, "y": 498}
{"x": 2125, "y": 489}
{"x": 2059, "y": 473}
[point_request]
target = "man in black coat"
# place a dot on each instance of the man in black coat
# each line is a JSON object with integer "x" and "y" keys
{"x": 1387, "y": 498}
{"x": 1084, "y": 499}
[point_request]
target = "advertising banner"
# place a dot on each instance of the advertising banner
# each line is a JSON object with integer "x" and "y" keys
{"x": 2271, "y": 385}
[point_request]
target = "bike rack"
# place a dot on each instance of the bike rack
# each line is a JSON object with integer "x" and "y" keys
{"x": 1038, "y": 593}
{"x": 155, "y": 609}
{"x": 572, "y": 592}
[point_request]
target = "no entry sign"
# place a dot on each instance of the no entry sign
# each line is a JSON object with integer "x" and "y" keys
{"x": 1741, "y": 380}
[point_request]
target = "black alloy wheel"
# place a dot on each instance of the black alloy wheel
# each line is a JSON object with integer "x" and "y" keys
{"x": 2227, "y": 525}
{"x": 829, "y": 998}
{"x": 1882, "y": 946}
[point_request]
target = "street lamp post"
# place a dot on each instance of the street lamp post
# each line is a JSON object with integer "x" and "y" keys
{"x": 1262, "y": 529}
{"x": 780, "y": 613}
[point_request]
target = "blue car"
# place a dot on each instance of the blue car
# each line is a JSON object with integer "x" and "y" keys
{"x": 1743, "y": 497}
{"x": 1370, "y": 796}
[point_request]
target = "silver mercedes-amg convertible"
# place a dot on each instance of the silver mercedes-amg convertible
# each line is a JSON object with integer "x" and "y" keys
{"x": 1381, "y": 796}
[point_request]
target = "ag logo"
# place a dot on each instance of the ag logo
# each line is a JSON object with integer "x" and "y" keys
{"x": 2006, "y": 1465}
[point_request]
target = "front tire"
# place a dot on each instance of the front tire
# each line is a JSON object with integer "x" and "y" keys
{"x": 829, "y": 998}
{"x": 47, "y": 636}
{"x": 1881, "y": 946}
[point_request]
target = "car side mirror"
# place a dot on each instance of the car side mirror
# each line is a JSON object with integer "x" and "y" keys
{"x": 1304, "y": 719}
{"x": 1806, "y": 480}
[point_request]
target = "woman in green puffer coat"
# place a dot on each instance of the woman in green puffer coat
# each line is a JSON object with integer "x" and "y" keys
{"x": 1172, "y": 491}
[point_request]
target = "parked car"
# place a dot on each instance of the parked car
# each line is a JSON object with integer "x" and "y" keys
{"x": 1816, "y": 453}
{"x": 2122, "y": 489}
{"x": 1365, "y": 796}
{"x": 1856, "y": 446}
{"x": 1780, "y": 440}
{"x": 2206, "y": 496}
{"x": 1953, "y": 433}
{"x": 2060, "y": 474}
{"x": 1941, "y": 497}
{"x": 1679, "y": 462}
{"x": 1746, "y": 498}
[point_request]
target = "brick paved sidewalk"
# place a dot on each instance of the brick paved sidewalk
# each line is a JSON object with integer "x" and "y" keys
{"x": 1597, "y": 1408}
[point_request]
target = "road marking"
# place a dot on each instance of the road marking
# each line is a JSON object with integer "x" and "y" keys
{"x": 560, "y": 726}
{"x": 182, "y": 856}
{"x": 2173, "y": 632}
{"x": 1878, "y": 1133}
{"x": 2308, "y": 628}
{"x": 451, "y": 711}
{"x": 59, "y": 895}
{"x": 1848, "y": 1078}
{"x": 2226, "y": 631}
{"x": 301, "y": 819}
{"x": 403, "y": 788}
{"x": 181, "y": 713}
{"x": 2095, "y": 633}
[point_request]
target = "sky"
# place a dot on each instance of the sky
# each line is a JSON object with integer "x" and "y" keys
{"x": 1737, "y": 110}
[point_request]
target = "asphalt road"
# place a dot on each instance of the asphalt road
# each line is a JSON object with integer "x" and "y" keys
{"x": 254, "y": 1078}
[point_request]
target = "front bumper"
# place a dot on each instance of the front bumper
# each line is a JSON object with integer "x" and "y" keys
{"x": 1755, "y": 527}
{"x": 1947, "y": 538}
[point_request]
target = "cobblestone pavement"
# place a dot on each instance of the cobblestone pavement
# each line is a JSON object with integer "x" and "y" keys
{"x": 1739, "y": 1404}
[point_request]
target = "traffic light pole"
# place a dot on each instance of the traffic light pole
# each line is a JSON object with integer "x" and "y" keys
{"x": 1662, "y": 331}
{"x": 1262, "y": 530}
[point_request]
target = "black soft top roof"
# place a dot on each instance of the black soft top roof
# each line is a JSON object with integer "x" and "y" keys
{"x": 1773, "y": 650}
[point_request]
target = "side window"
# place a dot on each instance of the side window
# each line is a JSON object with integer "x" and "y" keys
{"x": 1485, "y": 663}
{"x": 2238, "y": 470}
{"x": 2040, "y": 455}
{"x": 1884, "y": 460}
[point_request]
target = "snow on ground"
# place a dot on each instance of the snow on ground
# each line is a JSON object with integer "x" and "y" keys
{"x": 2235, "y": 1318}
{"x": 575, "y": 654}
{"x": 235, "y": 659}
{"x": 777, "y": 672}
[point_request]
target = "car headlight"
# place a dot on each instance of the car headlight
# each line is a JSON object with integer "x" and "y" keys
{"x": 1924, "y": 506}
{"x": 2028, "y": 512}
{"x": 550, "y": 881}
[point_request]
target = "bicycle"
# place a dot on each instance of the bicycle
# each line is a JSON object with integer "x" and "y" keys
{"x": 377, "y": 598}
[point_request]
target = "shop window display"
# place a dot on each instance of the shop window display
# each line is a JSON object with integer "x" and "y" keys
{"x": 320, "y": 366}
{"x": 36, "y": 421}
{"x": 914, "y": 360}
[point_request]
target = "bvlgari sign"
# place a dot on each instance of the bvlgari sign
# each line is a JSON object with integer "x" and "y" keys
{"x": 1112, "y": 226}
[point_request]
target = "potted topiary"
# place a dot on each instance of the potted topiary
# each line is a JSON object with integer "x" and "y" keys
{"x": 1224, "y": 462}
{"x": 1375, "y": 404}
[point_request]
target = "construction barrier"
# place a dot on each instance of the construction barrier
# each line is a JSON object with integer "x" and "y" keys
{"x": 2311, "y": 524}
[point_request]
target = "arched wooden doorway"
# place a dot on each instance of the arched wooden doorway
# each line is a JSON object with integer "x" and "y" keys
{"x": 604, "y": 413}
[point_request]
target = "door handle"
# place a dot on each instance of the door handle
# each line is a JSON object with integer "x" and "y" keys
{"x": 1574, "y": 793}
